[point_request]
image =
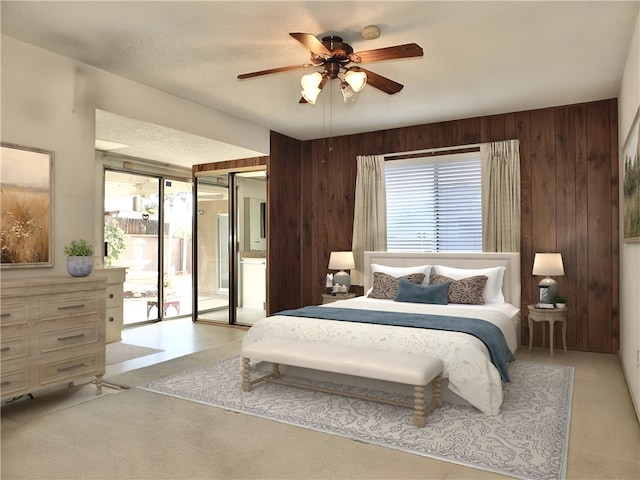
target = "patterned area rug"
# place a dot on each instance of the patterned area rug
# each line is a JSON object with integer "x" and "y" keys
{"x": 120, "y": 352}
{"x": 527, "y": 440}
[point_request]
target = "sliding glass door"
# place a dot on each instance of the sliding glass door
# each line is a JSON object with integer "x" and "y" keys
{"x": 177, "y": 249}
{"x": 147, "y": 229}
{"x": 211, "y": 227}
{"x": 231, "y": 247}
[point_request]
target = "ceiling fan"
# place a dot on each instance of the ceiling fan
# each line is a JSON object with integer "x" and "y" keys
{"x": 335, "y": 56}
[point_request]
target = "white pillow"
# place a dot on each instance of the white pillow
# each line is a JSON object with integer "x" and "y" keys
{"x": 402, "y": 271}
{"x": 492, "y": 292}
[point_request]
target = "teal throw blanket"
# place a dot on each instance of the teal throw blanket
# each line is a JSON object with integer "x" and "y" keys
{"x": 485, "y": 331}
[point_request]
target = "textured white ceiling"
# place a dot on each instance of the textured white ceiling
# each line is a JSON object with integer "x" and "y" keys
{"x": 480, "y": 58}
{"x": 161, "y": 144}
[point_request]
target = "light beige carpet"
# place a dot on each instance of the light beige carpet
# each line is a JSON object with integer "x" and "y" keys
{"x": 527, "y": 440}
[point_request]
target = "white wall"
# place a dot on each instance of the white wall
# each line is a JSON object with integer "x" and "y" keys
{"x": 628, "y": 104}
{"x": 49, "y": 102}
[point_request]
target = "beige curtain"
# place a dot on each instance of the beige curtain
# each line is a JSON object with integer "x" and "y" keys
{"x": 370, "y": 214}
{"x": 501, "y": 196}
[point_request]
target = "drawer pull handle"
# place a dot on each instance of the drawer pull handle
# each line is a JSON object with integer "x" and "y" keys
{"x": 70, "y": 337}
{"x": 5, "y": 349}
{"x": 4, "y": 315}
{"x": 72, "y": 367}
{"x": 111, "y": 295}
{"x": 69, "y": 307}
{"x": 5, "y": 383}
{"x": 111, "y": 319}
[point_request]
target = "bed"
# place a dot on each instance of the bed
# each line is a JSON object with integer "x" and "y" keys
{"x": 467, "y": 362}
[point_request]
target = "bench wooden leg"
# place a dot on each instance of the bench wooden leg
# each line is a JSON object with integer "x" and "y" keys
{"x": 246, "y": 375}
{"x": 419, "y": 417}
{"x": 246, "y": 382}
{"x": 421, "y": 412}
{"x": 437, "y": 391}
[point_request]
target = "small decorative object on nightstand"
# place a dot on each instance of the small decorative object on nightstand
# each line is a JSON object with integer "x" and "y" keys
{"x": 329, "y": 298}
{"x": 561, "y": 301}
{"x": 548, "y": 315}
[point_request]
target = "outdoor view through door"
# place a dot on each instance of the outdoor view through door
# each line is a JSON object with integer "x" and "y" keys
{"x": 153, "y": 240}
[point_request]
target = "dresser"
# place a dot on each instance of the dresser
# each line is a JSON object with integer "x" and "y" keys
{"x": 114, "y": 297}
{"x": 52, "y": 332}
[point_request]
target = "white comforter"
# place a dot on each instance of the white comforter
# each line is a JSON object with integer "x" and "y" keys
{"x": 467, "y": 363}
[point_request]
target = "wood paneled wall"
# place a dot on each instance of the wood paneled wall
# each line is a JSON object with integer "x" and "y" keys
{"x": 569, "y": 168}
{"x": 284, "y": 262}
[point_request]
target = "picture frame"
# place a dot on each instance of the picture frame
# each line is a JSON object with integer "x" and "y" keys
{"x": 543, "y": 294}
{"x": 631, "y": 183}
{"x": 26, "y": 207}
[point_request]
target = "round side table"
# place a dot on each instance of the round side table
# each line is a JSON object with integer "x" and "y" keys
{"x": 328, "y": 298}
{"x": 551, "y": 315}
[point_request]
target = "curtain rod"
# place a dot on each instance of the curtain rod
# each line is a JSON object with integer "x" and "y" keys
{"x": 472, "y": 147}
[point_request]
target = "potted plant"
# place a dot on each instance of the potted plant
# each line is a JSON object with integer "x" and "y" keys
{"x": 79, "y": 258}
{"x": 561, "y": 301}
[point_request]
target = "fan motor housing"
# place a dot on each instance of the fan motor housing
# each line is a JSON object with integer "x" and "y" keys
{"x": 340, "y": 51}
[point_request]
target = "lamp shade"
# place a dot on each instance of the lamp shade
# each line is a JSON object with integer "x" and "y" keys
{"x": 341, "y": 261}
{"x": 357, "y": 80}
{"x": 548, "y": 264}
{"x": 310, "y": 94}
{"x": 311, "y": 80}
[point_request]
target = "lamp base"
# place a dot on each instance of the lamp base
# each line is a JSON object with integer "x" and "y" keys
{"x": 342, "y": 278}
{"x": 547, "y": 290}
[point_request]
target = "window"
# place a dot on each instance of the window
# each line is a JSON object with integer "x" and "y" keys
{"x": 434, "y": 204}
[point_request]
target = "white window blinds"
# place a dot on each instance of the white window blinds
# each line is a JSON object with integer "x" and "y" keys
{"x": 434, "y": 204}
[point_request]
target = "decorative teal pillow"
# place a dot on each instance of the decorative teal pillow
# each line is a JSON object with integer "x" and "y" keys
{"x": 437, "y": 294}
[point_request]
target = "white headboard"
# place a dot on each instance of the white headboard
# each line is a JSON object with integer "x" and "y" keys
{"x": 510, "y": 285}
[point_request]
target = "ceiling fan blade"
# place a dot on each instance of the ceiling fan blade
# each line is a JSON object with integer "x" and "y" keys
{"x": 311, "y": 43}
{"x": 381, "y": 83}
{"x": 388, "y": 53}
{"x": 322, "y": 83}
{"x": 275, "y": 70}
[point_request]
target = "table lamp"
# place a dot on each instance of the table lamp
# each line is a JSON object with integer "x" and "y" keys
{"x": 342, "y": 261}
{"x": 548, "y": 264}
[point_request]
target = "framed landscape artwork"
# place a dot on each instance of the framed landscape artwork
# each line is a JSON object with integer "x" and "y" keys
{"x": 631, "y": 183}
{"x": 26, "y": 207}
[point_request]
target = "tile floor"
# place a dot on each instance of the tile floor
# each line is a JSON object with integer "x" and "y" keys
{"x": 176, "y": 337}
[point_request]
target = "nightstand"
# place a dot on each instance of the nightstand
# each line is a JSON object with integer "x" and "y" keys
{"x": 551, "y": 315}
{"x": 328, "y": 298}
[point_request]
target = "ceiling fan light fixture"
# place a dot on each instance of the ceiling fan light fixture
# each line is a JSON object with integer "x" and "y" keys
{"x": 356, "y": 80}
{"x": 311, "y": 81}
{"x": 347, "y": 91}
{"x": 348, "y": 95}
{"x": 310, "y": 94}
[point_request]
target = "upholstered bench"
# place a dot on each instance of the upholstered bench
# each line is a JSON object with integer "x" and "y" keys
{"x": 399, "y": 367}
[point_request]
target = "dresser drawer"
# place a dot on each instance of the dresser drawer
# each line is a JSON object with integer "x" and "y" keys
{"x": 13, "y": 381}
{"x": 56, "y": 371}
{"x": 14, "y": 342}
{"x": 66, "y": 305}
{"x": 58, "y": 337}
{"x": 14, "y": 311}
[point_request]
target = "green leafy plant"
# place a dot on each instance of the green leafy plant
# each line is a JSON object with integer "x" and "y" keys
{"x": 561, "y": 299}
{"x": 114, "y": 236}
{"x": 78, "y": 248}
